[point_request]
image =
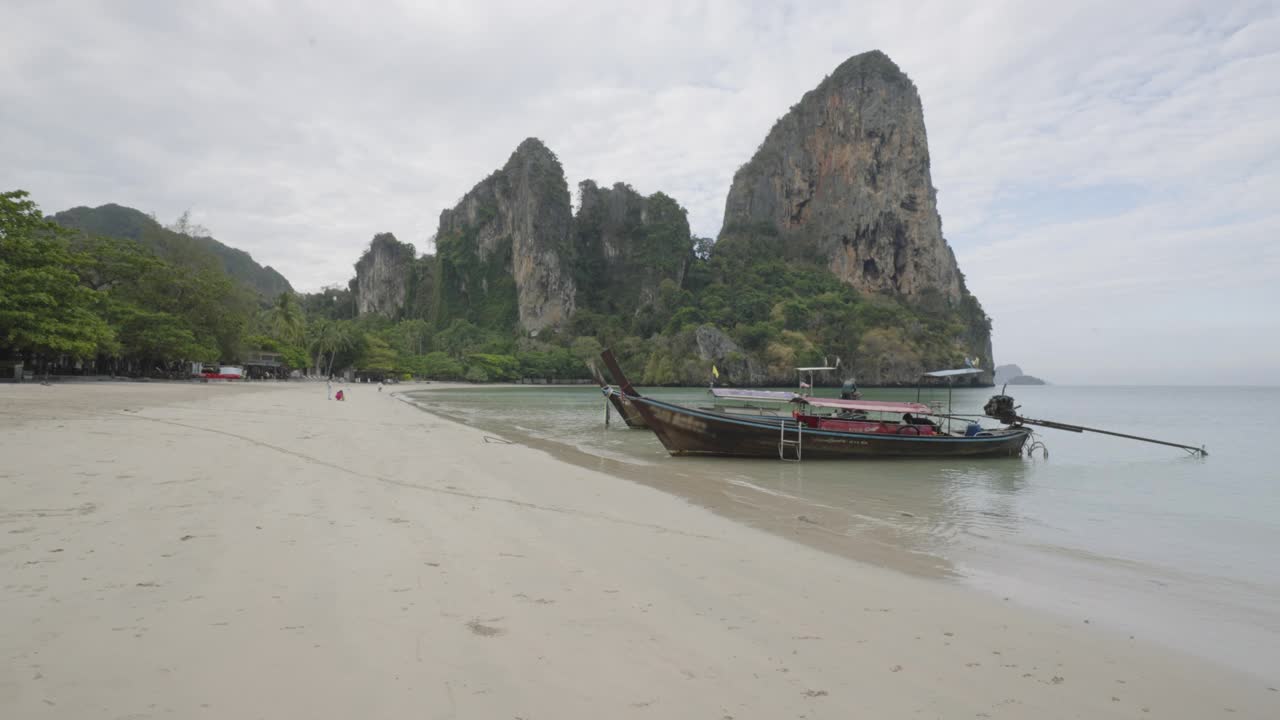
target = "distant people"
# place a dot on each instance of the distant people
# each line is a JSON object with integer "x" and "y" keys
{"x": 329, "y": 386}
{"x": 339, "y": 396}
{"x": 849, "y": 390}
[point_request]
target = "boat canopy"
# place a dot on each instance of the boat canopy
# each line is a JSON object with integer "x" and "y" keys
{"x": 775, "y": 395}
{"x": 866, "y": 405}
{"x": 954, "y": 373}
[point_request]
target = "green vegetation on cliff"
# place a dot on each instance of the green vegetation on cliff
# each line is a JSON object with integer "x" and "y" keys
{"x": 109, "y": 303}
{"x": 182, "y": 244}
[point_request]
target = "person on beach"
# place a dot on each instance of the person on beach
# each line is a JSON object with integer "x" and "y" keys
{"x": 329, "y": 387}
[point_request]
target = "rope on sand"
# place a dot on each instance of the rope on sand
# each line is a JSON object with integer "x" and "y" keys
{"x": 500, "y": 441}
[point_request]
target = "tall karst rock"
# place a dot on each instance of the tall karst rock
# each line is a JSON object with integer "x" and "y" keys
{"x": 626, "y": 245}
{"x": 504, "y": 252}
{"x": 846, "y": 172}
{"x": 384, "y": 277}
{"x": 843, "y": 179}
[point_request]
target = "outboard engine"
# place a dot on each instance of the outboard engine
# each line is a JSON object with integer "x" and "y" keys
{"x": 849, "y": 390}
{"x": 1002, "y": 408}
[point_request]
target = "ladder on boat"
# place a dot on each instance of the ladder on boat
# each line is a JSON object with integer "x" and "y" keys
{"x": 796, "y": 441}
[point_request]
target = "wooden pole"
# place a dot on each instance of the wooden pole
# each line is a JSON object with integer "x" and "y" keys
{"x": 1081, "y": 429}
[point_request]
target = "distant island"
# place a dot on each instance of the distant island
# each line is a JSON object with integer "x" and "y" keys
{"x": 1013, "y": 375}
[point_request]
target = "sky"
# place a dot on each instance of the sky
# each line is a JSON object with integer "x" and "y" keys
{"x": 1108, "y": 173}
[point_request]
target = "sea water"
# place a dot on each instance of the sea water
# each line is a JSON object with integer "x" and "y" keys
{"x": 1146, "y": 539}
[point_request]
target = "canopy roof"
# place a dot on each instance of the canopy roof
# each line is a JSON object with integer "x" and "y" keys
{"x": 815, "y": 369}
{"x": 954, "y": 373}
{"x": 774, "y": 395}
{"x": 867, "y": 405}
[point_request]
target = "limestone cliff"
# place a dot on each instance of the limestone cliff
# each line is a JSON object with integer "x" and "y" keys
{"x": 845, "y": 175}
{"x": 383, "y": 277}
{"x": 504, "y": 250}
{"x": 626, "y": 245}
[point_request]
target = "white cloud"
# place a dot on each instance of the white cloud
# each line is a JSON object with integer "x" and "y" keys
{"x": 1095, "y": 161}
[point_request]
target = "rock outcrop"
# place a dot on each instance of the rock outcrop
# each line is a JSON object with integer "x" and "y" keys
{"x": 1005, "y": 373}
{"x": 714, "y": 346}
{"x": 626, "y": 244}
{"x": 504, "y": 251}
{"x": 845, "y": 176}
{"x": 384, "y": 274}
{"x": 1013, "y": 375}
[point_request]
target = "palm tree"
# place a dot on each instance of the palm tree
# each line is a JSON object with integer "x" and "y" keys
{"x": 330, "y": 337}
{"x": 286, "y": 320}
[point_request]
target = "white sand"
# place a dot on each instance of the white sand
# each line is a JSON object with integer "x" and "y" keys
{"x": 260, "y": 552}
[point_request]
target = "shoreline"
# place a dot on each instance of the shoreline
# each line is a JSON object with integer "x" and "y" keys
{"x": 702, "y": 486}
{"x": 732, "y": 490}
{"x": 257, "y": 550}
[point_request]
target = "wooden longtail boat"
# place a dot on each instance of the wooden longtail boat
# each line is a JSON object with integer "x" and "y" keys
{"x": 689, "y": 431}
{"x": 620, "y": 403}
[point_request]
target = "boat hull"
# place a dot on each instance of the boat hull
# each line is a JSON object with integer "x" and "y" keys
{"x": 685, "y": 431}
{"x": 626, "y": 409}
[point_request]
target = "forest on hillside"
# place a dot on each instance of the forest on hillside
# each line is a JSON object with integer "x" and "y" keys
{"x": 78, "y": 301}
{"x": 97, "y": 303}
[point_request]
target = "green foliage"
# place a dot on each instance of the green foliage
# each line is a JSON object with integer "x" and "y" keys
{"x": 334, "y": 344}
{"x": 377, "y": 355}
{"x": 440, "y": 366}
{"x": 586, "y": 349}
{"x": 627, "y": 247}
{"x": 331, "y": 303}
{"x": 183, "y": 244}
{"x": 497, "y": 368}
{"x": 467, "y": 287}
{"x": 125, "y": 287}
{"x": 43, "y": 307}
{"x": 286, "y": 320}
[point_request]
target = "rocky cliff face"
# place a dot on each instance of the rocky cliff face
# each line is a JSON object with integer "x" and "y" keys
{"x": 504, "y": 250}
{"x": 383, "y": 277}
{"x": 626, "y": 244}
{"x": 845, "y": 176}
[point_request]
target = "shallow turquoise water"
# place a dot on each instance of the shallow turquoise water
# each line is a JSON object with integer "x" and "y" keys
{"x": 1139, "y": 537}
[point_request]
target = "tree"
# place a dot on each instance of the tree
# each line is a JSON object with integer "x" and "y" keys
{"x": 587, "y": 350}
{"x": 285, "y": 319}
{"x": 331, "y": 338}
{"x": 185, "y": 226}
{"x": 460, "y": 338}
{"x": 411, "y": 337}
{"x": 377, "y": 356}
{"x": 885, "y": 355}
{"x": 44, "y": 309}
{"x": 440, "y": 365}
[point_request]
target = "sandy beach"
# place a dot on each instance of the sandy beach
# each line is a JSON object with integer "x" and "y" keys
{"x": 258, "y": 551}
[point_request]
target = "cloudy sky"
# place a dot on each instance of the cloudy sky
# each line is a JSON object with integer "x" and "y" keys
{"x": 1108, "y": 173}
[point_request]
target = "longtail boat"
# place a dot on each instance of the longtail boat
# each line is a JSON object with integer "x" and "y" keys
{"x": 619, "y": 402}
{"x": 851, "y": 432}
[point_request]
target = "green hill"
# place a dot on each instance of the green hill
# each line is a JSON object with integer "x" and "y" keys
{"x": 117, "y": 221}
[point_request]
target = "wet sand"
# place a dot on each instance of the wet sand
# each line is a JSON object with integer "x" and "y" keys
{"x": 259, "y": 551}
